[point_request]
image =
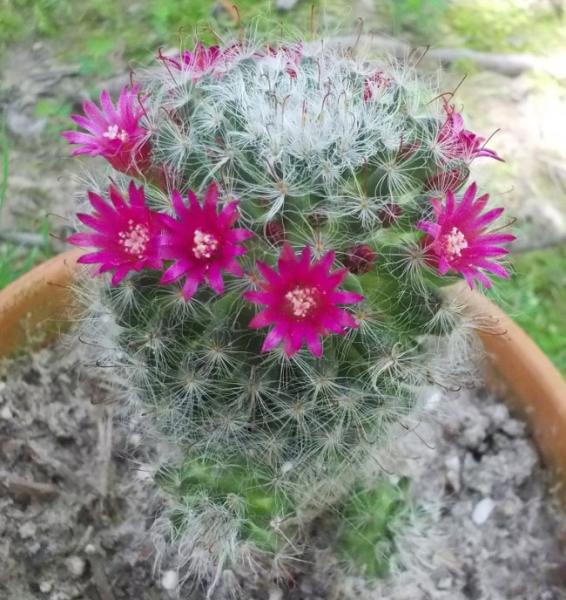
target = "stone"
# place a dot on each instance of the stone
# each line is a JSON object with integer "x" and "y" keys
{"x": 453, "y": 472}
{"x": 445, "y": 583}
{"x": 169, "y": 580}
{"x": 90, "y": 549}
{"x": 45, "y": 587}
{"x": 275, "y": 593}
{"x": 76, "y": 566}
{"x": 6, "y": 413}
{"x": 27, "y": 530}
{"x": 482, "y": 511}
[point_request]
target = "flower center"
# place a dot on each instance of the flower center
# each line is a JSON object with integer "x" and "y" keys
{"x": 115, "y": 133}
{"x": 454, "y": 242}
{"x": 301, "y": 301}
{"x": 134, "y": 240}
{"x": 205, "y": 244}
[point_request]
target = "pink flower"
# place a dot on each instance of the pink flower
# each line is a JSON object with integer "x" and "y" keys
{"x": 125, "y": 235}
{"x": 459, "y": 241}
{"x": 292, "y": 55}
{"x": 301, "y": 301}
{"x": 114, "y": 132}
{"x": 201, "y": 60}
{"x": 374, "y": 82}
{"x": 202, "y": 242}
{"x": 459, "y": 142}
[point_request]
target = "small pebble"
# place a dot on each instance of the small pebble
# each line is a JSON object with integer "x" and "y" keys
{"x": 144, "y": 474}
{"x": 482, "y": 511}
{"x": 27, "y": 530}
{"x": 45, "y": 587}
{"x": 445, "y": 583}
{"x": 90, "y": 549}
{"x": 6, "y": 413}
{"x": 514, "y": 428}
{"x": 34, "y": 548}
{"x": 453, "y": 470}
{"x": 275, "y": 593}
{"x": 169, "y": 580}
{"x": 76, "y": 566}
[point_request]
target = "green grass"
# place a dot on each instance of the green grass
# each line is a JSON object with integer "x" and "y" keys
{"x": 485, "y": 25}
{"x": 15, "y": 260}
{"x": 536, "y": 299}
{"x": 4, "y": 164}
{"x": 418, "y": 17}
{"x": 503, "y": 26}
{"x": 97, "y": 33}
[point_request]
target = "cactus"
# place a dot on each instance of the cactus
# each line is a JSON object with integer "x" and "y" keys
{"x": 276, "y": 306}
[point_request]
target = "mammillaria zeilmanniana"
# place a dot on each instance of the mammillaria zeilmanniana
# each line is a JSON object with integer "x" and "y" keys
{"x": 278, "y": 225}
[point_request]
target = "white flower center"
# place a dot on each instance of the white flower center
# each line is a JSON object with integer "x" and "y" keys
{"x": 205, "y": 244}
{"x": 454, "y": 242}
{"x": 134, "y": 240}
{"x": 115, "y": 133}
{"x": 301, "y": 300}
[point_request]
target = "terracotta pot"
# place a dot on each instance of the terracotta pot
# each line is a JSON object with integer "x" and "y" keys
{"x": 39, "y": 301}
{"x": 34, "y": 307}
{"x": 520, "y": 372}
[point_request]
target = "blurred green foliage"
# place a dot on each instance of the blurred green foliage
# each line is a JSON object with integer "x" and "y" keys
{"x": 505, "y": 25}
{"x": 94, "y": 32}
{"x": 15, "y": 259}
{"x": 419, "y": 17}
{"x": 57, "y": 114}
{"x": 536, "y": 299}
{"x": 4, "y": 164}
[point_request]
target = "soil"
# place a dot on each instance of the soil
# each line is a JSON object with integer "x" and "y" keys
{"x": 76, "y": 502}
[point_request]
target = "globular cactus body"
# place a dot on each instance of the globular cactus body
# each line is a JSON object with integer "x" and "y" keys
{"x": 291, "y": 311}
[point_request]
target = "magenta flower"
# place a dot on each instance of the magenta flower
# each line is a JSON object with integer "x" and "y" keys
{"x": 292, "y": 55}
{"x": 125, "y": 235}
{"x": 458, "y": 142}
{"x": 202, "y": 242}
{"x": 114, "y": 131}
{"x": 459, "y": 241}
{"x": 375, "y": 82}
{"x": 301, "y": 301}
{"x": 201, "y": 60}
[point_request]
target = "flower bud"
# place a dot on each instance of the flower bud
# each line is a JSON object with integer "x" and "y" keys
{"x": 389, "y": 214}
{"x": 360, "y": 259}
